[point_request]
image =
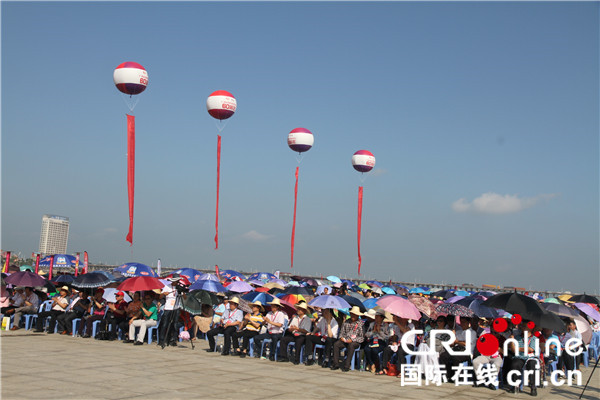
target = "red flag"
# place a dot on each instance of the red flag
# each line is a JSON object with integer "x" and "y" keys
{"x": 294, "y": 223}
{"x": 7, "y": 262}
{"x": 51, "y": 265}
{"x": 218, "y": 181}
{"x": 217, "y": 272}
{"x": 76, "y": 264}
{"x": 37, "y": 263}
{"x": 85, "y": 263}
{"x": 130, "y": 172}
{"x": 360, "y": 198}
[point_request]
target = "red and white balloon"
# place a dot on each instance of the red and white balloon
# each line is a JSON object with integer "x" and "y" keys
{"x": 300, "y": 140}
{"x": 221, "y": 104}
{"x": 363, "y": 161}
{"x": 130, "y": 78}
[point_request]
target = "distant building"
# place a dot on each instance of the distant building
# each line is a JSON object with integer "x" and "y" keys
{"x": 54, "y": 235}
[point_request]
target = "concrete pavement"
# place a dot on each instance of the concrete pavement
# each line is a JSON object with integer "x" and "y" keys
{"x": 38, "y": 365}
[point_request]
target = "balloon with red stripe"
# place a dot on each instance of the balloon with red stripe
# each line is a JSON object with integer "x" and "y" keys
{"x": 221, "y": 104}
{"x": 300, "y": 140}
{"x": 363, "y": 161}
{"x": 130, "y": 78}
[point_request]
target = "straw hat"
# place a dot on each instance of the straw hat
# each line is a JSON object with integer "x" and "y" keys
{"x": 258, "y": 304}
{"x": 388, "y": 317}
{"x": 370, "y": 314}
{"x": 234, "y": 300}
{"x": 65, "y": 288}
{"x": 302, "y": 305}
{"x": 356, "y": 311}
{"x": 275, "y": 302}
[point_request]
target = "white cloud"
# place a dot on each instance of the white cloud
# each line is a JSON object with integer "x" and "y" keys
{"x": 494, "y": 203}
{"x": 110, "y": 230}
{"x": 255, "y": 236}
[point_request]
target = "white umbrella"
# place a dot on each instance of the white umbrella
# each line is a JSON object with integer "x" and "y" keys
{"x": 110, "y": 295}
{"x": 584, "y": 328}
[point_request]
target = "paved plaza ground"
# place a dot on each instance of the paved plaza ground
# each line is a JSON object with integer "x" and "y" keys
{"x": 41, "y": 366}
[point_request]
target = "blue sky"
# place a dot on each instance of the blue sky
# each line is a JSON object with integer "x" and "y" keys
{"x": 483, "y": 118}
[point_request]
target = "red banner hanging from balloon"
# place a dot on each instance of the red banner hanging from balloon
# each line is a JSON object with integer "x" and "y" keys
{"x": 218, "y": 184}
{"x": 130, "y": 172}
{"x": 51, "y": 266}
{"x": 294, "y": 223}
{"x": 360, "y": 198}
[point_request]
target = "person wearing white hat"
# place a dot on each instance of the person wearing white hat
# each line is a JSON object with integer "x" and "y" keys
{"x": 296, "y": 332}
{"x": 274, "y": 321}
{"x": 230, "y": 321}
{"x": 351, "y": 336}
{"x": 376, "y": 339}
{"x": 59, "y": 306}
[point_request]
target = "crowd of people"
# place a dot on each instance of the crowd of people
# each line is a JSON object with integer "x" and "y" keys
{"x": 328, "y": 337}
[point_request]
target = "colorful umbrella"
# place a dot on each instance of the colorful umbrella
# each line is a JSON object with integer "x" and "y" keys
{"x": 229, "y": 274}
{"x": 191, "y": 274}
{"x": 423, "y": 305}
{"x": 263, "y": 276}
{"x": 292, "y": 298}
{"x": 399, "y": 306}
{"x": 60, "y": 261}
{"x": 140, "y": 283}
{"x": 135, "y": 269}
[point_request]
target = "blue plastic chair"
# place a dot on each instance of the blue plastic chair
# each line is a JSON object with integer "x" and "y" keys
{"x": 594, "y": 347}
{"x": 265, "y": 341}
{"x": 292, "y": 344}
{"x": 31, "y": 318}
{"x": 154, "y": 328}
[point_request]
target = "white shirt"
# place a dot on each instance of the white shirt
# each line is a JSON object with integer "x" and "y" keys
{"x": 277, "y": 317}
{"x": 170, "y": 300}
{"x": 322, "y": 327}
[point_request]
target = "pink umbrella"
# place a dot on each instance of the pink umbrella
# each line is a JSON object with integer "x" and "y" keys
{"x": 588, "y": 310}
{"x": 399, "y": 306}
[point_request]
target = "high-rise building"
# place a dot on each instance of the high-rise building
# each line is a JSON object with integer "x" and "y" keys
{"x": 55, "y": 234}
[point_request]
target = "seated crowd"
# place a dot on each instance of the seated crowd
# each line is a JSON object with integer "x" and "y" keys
{"x": 327, "y": 337}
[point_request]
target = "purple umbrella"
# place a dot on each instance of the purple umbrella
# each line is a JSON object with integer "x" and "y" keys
{"x": 239, "y": 287}
{"x": 454, "y": 309}
{"x": 328, "y": 301}
{"x": 588, "y": 310}
{"x": 25, "y": 278}
{"x": 210, "y": 286}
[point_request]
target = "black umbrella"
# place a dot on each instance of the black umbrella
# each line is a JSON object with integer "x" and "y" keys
{"x": 559, "y": 309}
{"x": 297, "y": 290}
{"x": 550, "y": 321}
{"x": 25, "y": 278}
{"x": 67, "y": 278}
{"x": 515, "y": 303}
{"x": 480, "y": 310}
{"x": 194, "y": 301}
{"x": 584, "y": 298}
{"x": 444, "y": 294}
{"x": 91, "y": 280}
{"x": 353, "y": 301}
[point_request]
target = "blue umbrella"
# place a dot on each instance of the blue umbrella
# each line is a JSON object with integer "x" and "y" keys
{"x": 320, "y": 289}
{"x": 60, "y": 261}
{"x": 264, "y": 298}
{"x": 136, "y": 269}
{"x": 417, "y": 290}
{"x": 64, "y": 279}
{"x": 262, "y": 276}
{"x": 190, "y": 273}
{"x": 348, "y": 282}
{"x": 374, "y": 283}
{"x": 479, "y": 310}
{"x": 401, "y": 286}
{"x": 461, "y": 293}
{"x": 388, "y": 290}
{"x": 334, "y": 279}
{"x": 328, "y": 301}
{"x": 210, "y": 286}
{"x": 229, "y": 273}
{"x": 207, "y": 277}
{"x": 370, "y": 303}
